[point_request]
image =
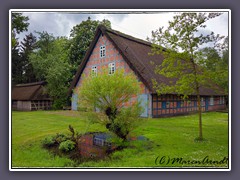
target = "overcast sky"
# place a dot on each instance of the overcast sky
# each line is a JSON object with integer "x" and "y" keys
{"x": 138, "y": 25}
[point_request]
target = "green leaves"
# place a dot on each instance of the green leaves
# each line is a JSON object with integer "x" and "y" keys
{"x": 184, "y": 64}
{"x": 110, "y": 94}
{"x": 105, "y": 90}
{"x": 50, "y": 63}
{"x": 81, "y": 37}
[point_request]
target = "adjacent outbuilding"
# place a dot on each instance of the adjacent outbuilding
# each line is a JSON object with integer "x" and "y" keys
{"x": 30, "y": 96}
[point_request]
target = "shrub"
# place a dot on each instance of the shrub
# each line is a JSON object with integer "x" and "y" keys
{"x": 60, "y": 138}
{"x": 107, "y": 95}
{"x": 67, "y": 146}
{"x": 48, "y": 141}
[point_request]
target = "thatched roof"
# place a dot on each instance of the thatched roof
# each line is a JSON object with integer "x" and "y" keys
{"x": 30, "y": 91}
{"x": 136, "y": 53}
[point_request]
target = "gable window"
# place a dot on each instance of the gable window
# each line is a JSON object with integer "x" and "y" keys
{"x": 111, "y": 67}
{"x": 103, "y": 51}
{"x": 94, "y": 71}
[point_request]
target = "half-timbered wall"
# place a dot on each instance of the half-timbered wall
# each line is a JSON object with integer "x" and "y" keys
{"x": 170, "y": 105}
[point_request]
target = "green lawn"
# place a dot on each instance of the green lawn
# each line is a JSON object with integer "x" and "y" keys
{"x": 170, "y": 138}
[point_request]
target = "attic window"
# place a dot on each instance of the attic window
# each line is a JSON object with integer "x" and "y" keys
{"x": 102, "y": 51}
{"x": 111, "y": 67}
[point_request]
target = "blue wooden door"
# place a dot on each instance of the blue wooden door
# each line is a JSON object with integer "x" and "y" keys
{"x": 143, "y": 99}
{"x": 74, "y": 102}
{"x": 206, "y": 103}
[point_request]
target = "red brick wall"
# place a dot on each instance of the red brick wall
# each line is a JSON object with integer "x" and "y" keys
{"x": 112, "y": 56}
{"x": 88, "y": 150}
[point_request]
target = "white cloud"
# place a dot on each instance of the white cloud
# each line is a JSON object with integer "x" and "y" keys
{"x": 137, "y": 25}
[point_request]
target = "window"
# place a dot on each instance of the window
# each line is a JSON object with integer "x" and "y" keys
{"x": 179, "y": 104}
{"x": 111, "y": 67}
{"x": 211, "y": 101}
{"x": 164, "y": 104}
{"x": 202, "y": 101}
{"x": 98, "y": 142}
{"x": 195, "y": 103}
{"x": 168, "y": 104}
{"x": 102, "y": 51}
{"x": 221, "y": 100}
{"x": 94, "y": 71}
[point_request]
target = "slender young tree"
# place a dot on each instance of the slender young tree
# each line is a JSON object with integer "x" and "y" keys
{"x": 180, "y": 43}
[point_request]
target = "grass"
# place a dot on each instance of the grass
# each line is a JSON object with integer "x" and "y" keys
{"x": 170, "y": 138}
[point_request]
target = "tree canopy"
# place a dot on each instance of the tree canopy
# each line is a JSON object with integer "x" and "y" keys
{"x": 19, "y": 24}
{"x": 81, "y": 36}
{"x": 50, "y": 63}
{"x": 180, "y": 43}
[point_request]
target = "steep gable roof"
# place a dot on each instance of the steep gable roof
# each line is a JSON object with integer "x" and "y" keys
{"x": 136, "y": 53}
{"x": 29, "y": 91}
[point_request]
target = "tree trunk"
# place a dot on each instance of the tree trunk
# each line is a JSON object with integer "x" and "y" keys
{"x": 200, "y": 138}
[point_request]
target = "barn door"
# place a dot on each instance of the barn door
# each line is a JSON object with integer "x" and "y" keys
{"x": 143, "y": 98}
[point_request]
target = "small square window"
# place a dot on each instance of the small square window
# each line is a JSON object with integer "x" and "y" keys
{"x": 94, "y": 71}
{"x": 111, "y": 67}
{"x": 102, "y": 51}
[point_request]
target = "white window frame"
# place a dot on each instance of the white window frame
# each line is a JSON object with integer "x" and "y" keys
{"x": 111, "y": 68}
{"x": 202, "y": 101}
{"x": 211, "y": 103}
{"x": 102, "y": 51}
{"x": 94, "y": 71}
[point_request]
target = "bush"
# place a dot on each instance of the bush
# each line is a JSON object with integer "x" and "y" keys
{"x": 67, "y": 146}
{"x": 48, "y": 141}
{"x": 60, "y": 138}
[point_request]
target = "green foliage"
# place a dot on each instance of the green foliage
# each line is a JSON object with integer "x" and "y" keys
{"x": 126, "y": 121}
{"x": 50, "y": 63}
{"x": 180, "y": 44}
{"x": 108, "y": 93}
{"x": 60, "y": 137}
{"x": 67, "y": 146}
{"x": 81, "y": 36}
{"x": 19, "y": 24}
{"x": 49, "y": 141}
{"x": 216, "y": 64}
{"x": 103, "y": 91}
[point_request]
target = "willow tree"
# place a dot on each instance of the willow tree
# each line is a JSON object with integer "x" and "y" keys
{"x": 180, "y": 43}
{"x": 110, "y": 94}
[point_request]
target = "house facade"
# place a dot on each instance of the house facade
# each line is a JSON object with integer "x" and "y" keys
{"x": 115, "y": 50}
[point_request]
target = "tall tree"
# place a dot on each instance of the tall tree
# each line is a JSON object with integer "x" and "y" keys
{"x": 27, "y": 46}
{"x": 217, "y": 64}
{"x": 19, "y": 24}
{"x": 50, "y": 62}
{"x": 17, "y": 70}
{"x": 180, "y": 43}
{"x": 44, "y": 47}
{"x": 81, "y": 37}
